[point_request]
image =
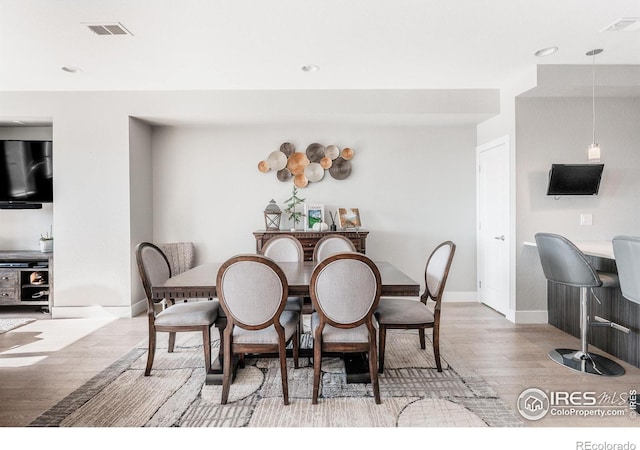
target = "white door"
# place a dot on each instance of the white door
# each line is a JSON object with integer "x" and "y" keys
{"x": 494, "y": 233}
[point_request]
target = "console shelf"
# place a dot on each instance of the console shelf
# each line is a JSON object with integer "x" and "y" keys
{"x": 26, "y": 278}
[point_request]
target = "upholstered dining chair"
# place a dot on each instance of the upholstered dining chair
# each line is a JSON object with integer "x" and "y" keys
{"x": 181, "y": 256}
{"x": 410, "y": 314}
{"x": 253, "y": 290}
{"x": 345, "y": 290}
{"x": 154, "y": 268}
{"x": 565, "y": 264}
{"x": 332, "y": 244}
{"x": 285, "y": 248}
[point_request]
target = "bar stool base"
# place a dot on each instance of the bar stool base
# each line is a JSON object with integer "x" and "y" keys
{"x": 586, "y": 363}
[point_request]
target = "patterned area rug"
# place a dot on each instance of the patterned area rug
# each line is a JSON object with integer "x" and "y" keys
{"x": 414, "y": 393}
{"x": 13, "y": 323}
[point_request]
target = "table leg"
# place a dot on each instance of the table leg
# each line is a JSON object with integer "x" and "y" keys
{"x": 214, "y": 377}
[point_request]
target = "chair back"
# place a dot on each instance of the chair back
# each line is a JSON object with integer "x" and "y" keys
{"x": 153, "y": 268}
{"x": 252, "y": 291}
{"x": 181, "y": 256}
{"x": 345, "y": 289}
{"x": 564, "y": 263}
{"x": 283, "y": 249}
{"x": 626, "y": 250}
{"x": 330, "y": 245}
{"x": 437, "y": 270}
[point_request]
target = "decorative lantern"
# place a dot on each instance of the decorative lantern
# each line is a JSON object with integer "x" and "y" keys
{"x": 272, "y": 215}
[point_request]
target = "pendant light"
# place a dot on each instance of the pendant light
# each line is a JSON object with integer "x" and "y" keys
{"x": 593, "y": 152}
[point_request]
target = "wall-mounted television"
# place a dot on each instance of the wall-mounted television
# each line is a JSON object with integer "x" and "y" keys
{"x": 574, "y": 179}
{"x": 26, "y": 173}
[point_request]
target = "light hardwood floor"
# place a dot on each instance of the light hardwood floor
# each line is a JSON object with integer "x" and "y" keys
{"x": 42, "y": 362}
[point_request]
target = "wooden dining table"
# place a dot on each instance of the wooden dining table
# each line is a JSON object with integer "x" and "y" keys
{"x": 200, "y": 282}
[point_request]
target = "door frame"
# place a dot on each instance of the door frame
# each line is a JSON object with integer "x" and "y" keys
{"x": 510, "y": 314}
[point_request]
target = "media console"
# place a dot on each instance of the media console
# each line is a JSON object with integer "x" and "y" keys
{"x": 26, "y": 278}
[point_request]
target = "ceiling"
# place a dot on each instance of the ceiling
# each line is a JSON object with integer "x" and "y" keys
{"x": 358, "y": 45}
{"x": 259, "y": 44}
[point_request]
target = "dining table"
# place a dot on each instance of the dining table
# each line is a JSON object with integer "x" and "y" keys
{"x": 200, "y": 282}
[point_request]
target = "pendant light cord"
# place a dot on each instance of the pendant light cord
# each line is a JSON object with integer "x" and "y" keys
{"x": 593, "y": 94}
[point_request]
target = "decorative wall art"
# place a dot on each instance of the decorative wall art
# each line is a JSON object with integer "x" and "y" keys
{"x": 314, "y": 217}
{"x": 349, "y": 218}
{"x": 309, "y": 166}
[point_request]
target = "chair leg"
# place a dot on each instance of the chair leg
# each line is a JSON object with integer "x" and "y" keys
{"x": 317, "y": 363}
{"x": 422, "y": 339}
{"x": 226, "y": 370}
{"x": 382, "y": 339}
{"x": 436, "y": 346}
{"x": 282, "y": 351}
{"x": 373, "y": 373}
{"x": 151, "y": 352}
{"x": 296, "y": 347}
{"x": 206, "y": 344}
{"x": 172, "y": 341}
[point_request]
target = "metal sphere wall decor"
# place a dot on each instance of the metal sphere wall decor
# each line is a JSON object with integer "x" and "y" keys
{"x": 310, "y": 166}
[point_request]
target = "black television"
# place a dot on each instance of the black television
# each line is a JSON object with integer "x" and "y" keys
{"x": 574, "y": 179}
{"x": 26, "y": 173}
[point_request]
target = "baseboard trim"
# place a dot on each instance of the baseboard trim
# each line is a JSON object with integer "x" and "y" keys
{"x": 531, "y": 317}
{"x": 92, "y": 312}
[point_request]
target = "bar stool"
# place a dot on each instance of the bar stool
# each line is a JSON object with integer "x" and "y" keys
{"x": 626, "y": 250}
{"x": 563, "y": 263}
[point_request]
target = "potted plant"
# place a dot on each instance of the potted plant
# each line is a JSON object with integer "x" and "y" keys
{"x": 46, "y": 243}
{"x": 291, "y": 203}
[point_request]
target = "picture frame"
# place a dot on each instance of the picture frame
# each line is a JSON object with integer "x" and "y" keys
{"x": 313, "y": 213}
{"x": 349, "y": 218}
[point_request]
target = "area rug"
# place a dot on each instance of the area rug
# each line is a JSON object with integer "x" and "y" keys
{"x": 13, "y": 323}
{"x": 414, "y": 393}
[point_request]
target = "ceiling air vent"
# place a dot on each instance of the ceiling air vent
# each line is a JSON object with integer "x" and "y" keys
{"x": 624, "y": 24}
{"x": 108, "y": 29}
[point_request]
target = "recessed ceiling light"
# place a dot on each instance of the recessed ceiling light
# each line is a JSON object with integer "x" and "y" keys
{"x": 310, "y": 68}
{"x": 71, "y": 69}
{"x": 546, "y": 51}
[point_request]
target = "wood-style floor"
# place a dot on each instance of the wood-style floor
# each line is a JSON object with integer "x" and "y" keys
{"x": 42, "y": 362}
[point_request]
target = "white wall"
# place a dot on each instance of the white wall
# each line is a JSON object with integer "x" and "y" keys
{"x": 414, "y": 187}
{"x": 559, "y": 130}
{"x": 412, "y": 184}
{"x": 20, "y": 229}
{"x": 92, "y": 248}
{"x": 141, "y": 194}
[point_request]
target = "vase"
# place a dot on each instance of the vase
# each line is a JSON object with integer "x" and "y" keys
{"x": 46, "y": 246}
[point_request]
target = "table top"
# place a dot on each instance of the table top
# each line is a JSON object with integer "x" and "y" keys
{"x": 200, "y": 281}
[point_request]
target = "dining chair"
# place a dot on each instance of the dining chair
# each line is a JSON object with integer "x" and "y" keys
{"x": 181, "y": 256}
{"x": 411, "y": 314}
{"x": 564, "y": 263}
{"x": 154, "y": 268}
{"x": 626, "y": 251}
{"x": 345, "y": 291}
{"x": 253, "y": 290}
{"x": 330, "y": 245}
{"x": 287, "y": 248}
